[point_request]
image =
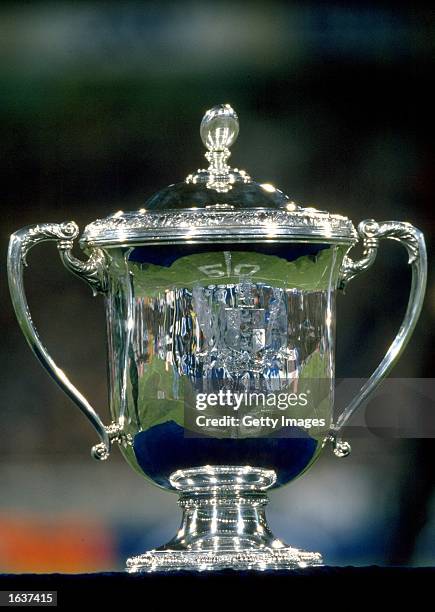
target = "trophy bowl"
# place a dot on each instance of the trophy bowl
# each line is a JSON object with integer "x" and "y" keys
{"x": 220, "y": 303}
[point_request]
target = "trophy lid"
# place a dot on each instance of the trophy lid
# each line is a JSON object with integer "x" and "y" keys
{"x": 219, "y": 204}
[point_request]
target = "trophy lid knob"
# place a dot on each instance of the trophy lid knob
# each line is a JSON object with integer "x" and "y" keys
{"x": 219, "y": 127}
{"x": 219, "y": 130}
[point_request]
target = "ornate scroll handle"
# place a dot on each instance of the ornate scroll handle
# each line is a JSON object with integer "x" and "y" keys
{"x": 92, "y": 271}
{"x": 413, "y": 240}
{"x": 369, "y": 232}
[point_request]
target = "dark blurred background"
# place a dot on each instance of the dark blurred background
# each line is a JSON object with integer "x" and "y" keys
{"x": 100, "y": 104}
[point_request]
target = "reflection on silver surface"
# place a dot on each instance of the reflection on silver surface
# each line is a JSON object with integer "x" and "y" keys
{"x": 413, "y": 241}
{"x": 239, "y": 331}
{"x": 218, "y": 281}
{"x": 92, "y": 271}
{"x": 223, "y": 525}
{"x": 219, "y": 129}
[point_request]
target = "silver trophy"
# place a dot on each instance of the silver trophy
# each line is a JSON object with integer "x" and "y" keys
{"x": 220, "y": 302}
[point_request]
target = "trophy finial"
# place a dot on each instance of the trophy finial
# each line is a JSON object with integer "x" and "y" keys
{"x": 219, "y": 128}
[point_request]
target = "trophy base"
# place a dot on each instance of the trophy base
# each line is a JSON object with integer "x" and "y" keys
{"x": 172, "y": 560}
{"x": 224, "y": 525}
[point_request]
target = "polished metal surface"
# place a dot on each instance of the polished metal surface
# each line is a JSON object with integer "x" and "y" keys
{"x": 223, "y": 526}
{"x": 412, "y": 239}
{"x": 20, "y": 244}
{"x": 219, "y": 130}
{"x": 219, "y": 225}
{"x": 93, "y": 270}
{"x": 219, "y": 204}
{"x": 231, "y": 318}
{"x": 220, "y": 283}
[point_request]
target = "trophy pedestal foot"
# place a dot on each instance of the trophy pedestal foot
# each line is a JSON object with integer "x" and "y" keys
{"x": 224, "y": 525}
{"x": 160, "y": 560}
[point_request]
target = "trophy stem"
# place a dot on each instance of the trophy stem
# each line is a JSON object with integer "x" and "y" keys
{"x": 223, "y": 525}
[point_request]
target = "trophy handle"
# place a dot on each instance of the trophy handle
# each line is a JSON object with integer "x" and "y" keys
{"x": 413, "y": 240}
{"x": 92, "y": 271}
